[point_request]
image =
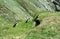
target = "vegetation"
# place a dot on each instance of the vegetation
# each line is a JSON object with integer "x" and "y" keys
{"x": 20, "y": 10}
{"x": 48, "y": 29}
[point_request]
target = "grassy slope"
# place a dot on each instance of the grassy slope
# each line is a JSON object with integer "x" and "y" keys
{"x": 28, "y": 31}
{"x": 48, "y": 29}
{"x": 6, "y": 28}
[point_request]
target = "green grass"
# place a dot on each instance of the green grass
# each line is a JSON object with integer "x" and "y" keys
{"x": 49, "y": 31}
{"x": 18, "y": 30}
{"x": 43, "y": 32}
{"x": 49, "y": 27}
{"x": 45, "y": 14}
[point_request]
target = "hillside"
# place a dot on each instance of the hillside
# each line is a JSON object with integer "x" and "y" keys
{"x": 18, "y": 11}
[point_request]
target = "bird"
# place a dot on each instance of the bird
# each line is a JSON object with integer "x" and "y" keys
{"x": 27, "y": 20}
{"x": 14, "y": 24}
{"x": 37, "y": 22}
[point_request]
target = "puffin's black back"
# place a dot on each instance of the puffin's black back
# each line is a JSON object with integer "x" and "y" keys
{"x": 37, "y": 22}
{"x": 14, "y": 25}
